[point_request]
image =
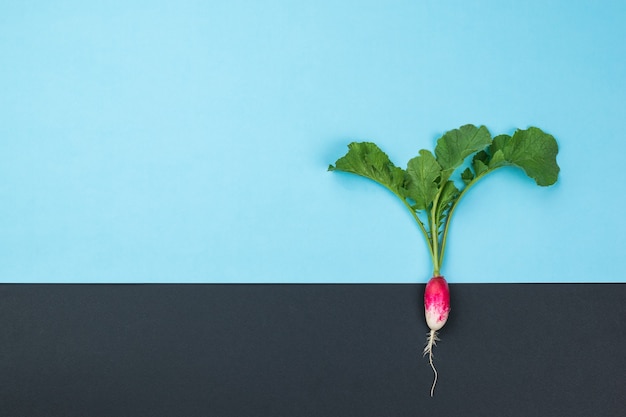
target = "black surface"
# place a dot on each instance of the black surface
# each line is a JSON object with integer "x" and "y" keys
{"x": 310, "y": 350}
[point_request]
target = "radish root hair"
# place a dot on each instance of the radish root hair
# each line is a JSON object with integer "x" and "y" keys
{"x": 428, "y": 350}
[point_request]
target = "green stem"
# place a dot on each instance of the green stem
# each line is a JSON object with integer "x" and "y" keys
{"x": 417, "y": 220}
{"x": 421, "y": 226}
{"x": 434, "y": 236}
{"x": 451, "y": 211}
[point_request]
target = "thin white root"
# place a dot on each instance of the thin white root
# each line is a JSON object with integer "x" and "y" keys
{"x": 428, "y": 350}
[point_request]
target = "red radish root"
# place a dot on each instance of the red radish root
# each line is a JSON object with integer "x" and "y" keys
{"x": 436, "y": 308}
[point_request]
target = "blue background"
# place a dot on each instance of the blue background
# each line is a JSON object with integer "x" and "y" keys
{"x": 188, "y": 141}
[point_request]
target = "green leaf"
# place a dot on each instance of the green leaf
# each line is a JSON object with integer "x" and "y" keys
{"x": 368, "y": 160}
{"x": 499, "y": 143}
{"x": 423, "y": 172}
{"x": 454, "y": 146}
{"x": 467, "y": 176}
{"x": 445, "y": 176}
{"x": 497, "y": 159}
{"x": 480, "y": 161}
{"x": 532, "y": 150}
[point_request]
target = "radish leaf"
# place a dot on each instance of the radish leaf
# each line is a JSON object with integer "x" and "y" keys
{"x": 366, "y": 159}
{"x": 535, "y": 152}
{"x": 454, "y": 146}
{"x": 423, "y": 172}
{"x": 467, "y": 176}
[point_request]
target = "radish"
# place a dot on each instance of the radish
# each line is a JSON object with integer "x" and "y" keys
{"x": 436, "y": 309}
{"x": 431, "y": 187}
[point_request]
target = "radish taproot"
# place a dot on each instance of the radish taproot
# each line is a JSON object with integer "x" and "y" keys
{"x": 433, "y": 184}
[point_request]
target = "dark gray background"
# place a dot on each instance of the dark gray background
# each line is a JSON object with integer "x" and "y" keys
{"x": 310, "y": 350}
